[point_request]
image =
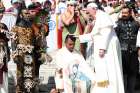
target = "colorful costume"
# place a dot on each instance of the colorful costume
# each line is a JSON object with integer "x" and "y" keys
{"x": 29, "y": 54}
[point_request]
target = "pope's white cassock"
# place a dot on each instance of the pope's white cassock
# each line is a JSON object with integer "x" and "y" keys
{"x": 108, "y": 68}
{"x": 74, "y": 67}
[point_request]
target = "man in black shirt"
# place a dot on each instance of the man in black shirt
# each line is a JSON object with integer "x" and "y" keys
{"x": 127, "y": 30}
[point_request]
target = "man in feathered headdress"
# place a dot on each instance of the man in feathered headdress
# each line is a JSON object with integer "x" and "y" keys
{"x": 29, "y": 53}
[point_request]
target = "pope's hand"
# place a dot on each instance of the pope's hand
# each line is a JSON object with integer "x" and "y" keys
{"x": 76, "y": 36}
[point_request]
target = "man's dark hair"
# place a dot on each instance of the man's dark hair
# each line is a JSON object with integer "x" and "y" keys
{"x": 127, "y": 7}
{"x": 131, "y": 5}
{"x": 70, "y": 37}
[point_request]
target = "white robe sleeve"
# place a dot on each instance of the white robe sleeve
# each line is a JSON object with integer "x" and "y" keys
{"x": 85, "y": 38}
{"x": 138, "y": 39}
{"x": 58, "y": 61}
{"x": 105, "y": 36}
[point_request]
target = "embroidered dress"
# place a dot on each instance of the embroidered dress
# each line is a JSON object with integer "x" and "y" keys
{"x": 28, "y": 51}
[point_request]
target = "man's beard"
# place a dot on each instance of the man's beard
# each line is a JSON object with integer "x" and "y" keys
{"x": 27, "y": 18}
{"x": 125, "y": 17}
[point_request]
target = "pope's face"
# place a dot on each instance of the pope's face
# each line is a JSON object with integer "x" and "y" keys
{"x": 91, "y": 11}
{"x": 70, "y": 45}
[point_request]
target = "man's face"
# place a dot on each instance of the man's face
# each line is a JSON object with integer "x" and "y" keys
{"x": 125, "y": 13}
{"x": 70, "y": 45}
{"x": 33, "y": 13}
{"x": 25, "y": 14}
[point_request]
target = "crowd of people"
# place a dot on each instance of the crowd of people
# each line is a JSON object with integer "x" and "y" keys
{"x": 96, "y": 44}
